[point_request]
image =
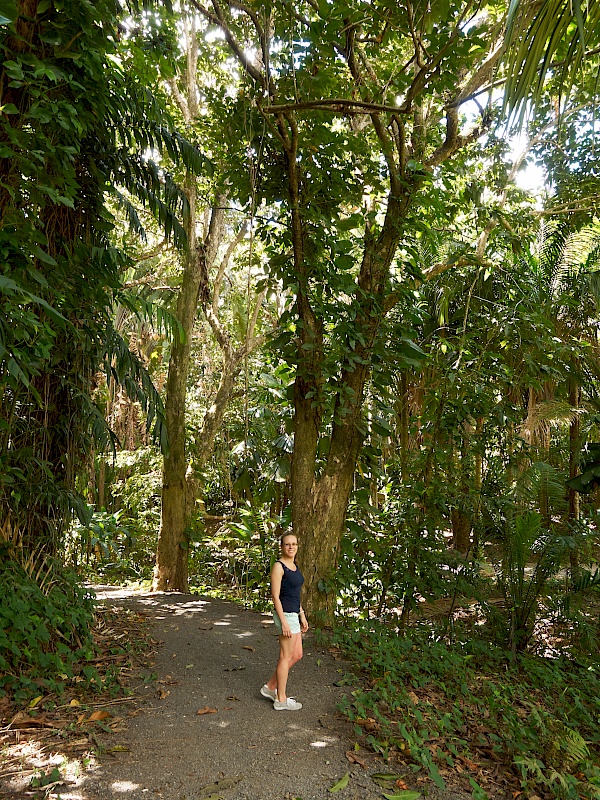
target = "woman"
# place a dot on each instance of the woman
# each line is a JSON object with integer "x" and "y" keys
{"x": 290, "y": 623}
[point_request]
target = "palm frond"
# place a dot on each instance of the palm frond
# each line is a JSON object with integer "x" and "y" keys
{"x": 131, "y": 214}
{"x": 158, "y": 192}
{"x": 183, "y": 152}
{"x": 553, "y": 413}
{"x": 128, "y": 371}
{"x": 166, "y": 322}
{"x": 535, "y": 32}
{"x": 541, "y": 480}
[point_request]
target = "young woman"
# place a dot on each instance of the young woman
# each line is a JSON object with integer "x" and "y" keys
{"x": 290, "y": 623}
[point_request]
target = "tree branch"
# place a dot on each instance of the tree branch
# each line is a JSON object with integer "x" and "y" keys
{"x": 337, "y": 105}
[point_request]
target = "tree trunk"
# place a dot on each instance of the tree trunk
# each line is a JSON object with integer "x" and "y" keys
{"x": 461, "y": 519}
{"x": 477, "y": 487}
{"x": 572, "y": 495}
{"x": 171, "y": 568}
{"x": 319, "y": 502}
{"x": 404, "y": 423}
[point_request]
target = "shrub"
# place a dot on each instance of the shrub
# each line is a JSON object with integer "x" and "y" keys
{"x": 45, "y": 628}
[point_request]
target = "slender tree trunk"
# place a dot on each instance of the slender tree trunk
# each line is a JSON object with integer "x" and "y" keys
{"x": 404, "y": 423}
{"x": 101, "y": 483}
{"x": 171, "y": 568}
{"x": 572, "y": 495}
{"x": 477, "y": 486}
{"x": 461, "y": 518}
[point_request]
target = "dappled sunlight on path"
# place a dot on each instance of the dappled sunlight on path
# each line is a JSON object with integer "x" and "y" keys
{"x": 207, "y": 728}
{"x": 198, "y": 728}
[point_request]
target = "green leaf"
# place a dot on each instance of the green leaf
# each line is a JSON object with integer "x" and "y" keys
{"x": 341, "y": 784}
{"x": 386, "y": 776}
{"x": 8, "y": 11}
{"x": 43, "y": 256}
{"x": 404, "y": 795}
{"x": 435, "y": 776}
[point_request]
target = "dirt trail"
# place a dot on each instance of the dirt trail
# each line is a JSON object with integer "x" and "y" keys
{"x": 214, "y": 657}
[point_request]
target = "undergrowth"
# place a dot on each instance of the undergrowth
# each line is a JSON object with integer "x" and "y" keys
{"x": 466, "y": 712}
{"x": 46, "y": 619}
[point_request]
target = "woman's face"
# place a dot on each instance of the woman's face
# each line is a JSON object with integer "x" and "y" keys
{"x": 289, "y": 546}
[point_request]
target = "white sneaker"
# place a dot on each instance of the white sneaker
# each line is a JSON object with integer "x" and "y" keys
{"x": 270, "y": 693}
{"x": 288, "y": 705}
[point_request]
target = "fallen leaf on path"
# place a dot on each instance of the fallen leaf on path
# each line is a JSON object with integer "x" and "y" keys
{"x": 469, "y": 763}
{"x": 369, "y": 724}
{"x": 247, "y": 647}
{"x": 163, "y": 693}
{"x": 234, "y": 669}
{"x": 354, "y": 759}
{"x": 206, "y": 710}
{"x": 341, "y": 784}
{"x": 403, "y": 796}
{"x": 233, "y": 697}
{"x": 118, "y": 748}
{"x": 97, "y": 715}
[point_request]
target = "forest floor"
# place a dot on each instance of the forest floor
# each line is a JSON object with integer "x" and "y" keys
{"x": 195, "y": 726}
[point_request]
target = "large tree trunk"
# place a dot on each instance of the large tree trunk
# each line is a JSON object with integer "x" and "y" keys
{"x": 319, "y": 511}
{"x": 319, "y": 501}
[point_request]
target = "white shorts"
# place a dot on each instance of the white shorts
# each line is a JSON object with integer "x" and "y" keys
{"x": 292, "y": 619}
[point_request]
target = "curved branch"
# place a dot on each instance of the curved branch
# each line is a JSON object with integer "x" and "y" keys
{"x": 337, "y": 105}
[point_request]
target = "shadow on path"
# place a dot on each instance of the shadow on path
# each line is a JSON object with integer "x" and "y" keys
{"x": 213, "y": 658}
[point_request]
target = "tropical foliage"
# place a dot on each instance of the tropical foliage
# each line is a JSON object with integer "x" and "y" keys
{"x": 268, "y": 266}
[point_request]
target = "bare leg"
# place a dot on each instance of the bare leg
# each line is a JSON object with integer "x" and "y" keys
{"x": 287, "y": 651}
{"x": 295, "y": 657}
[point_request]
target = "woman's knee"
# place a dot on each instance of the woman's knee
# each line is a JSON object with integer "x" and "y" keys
{"x": 297, "y": 654}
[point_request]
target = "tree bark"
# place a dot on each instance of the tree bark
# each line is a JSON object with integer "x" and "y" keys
{"x": 171, "y": 568}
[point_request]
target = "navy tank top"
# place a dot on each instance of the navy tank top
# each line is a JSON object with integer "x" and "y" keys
{"x": 289, "y": 594}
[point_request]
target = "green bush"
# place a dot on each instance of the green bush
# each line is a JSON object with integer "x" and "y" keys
{"x": 46, "y": 619}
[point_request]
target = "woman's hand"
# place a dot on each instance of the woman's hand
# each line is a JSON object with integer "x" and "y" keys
{"x": 303, "y": 623}
{"x": 286, "y": 630}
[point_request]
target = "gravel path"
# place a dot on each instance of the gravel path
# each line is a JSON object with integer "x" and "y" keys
{"x": 214, "y": 658}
